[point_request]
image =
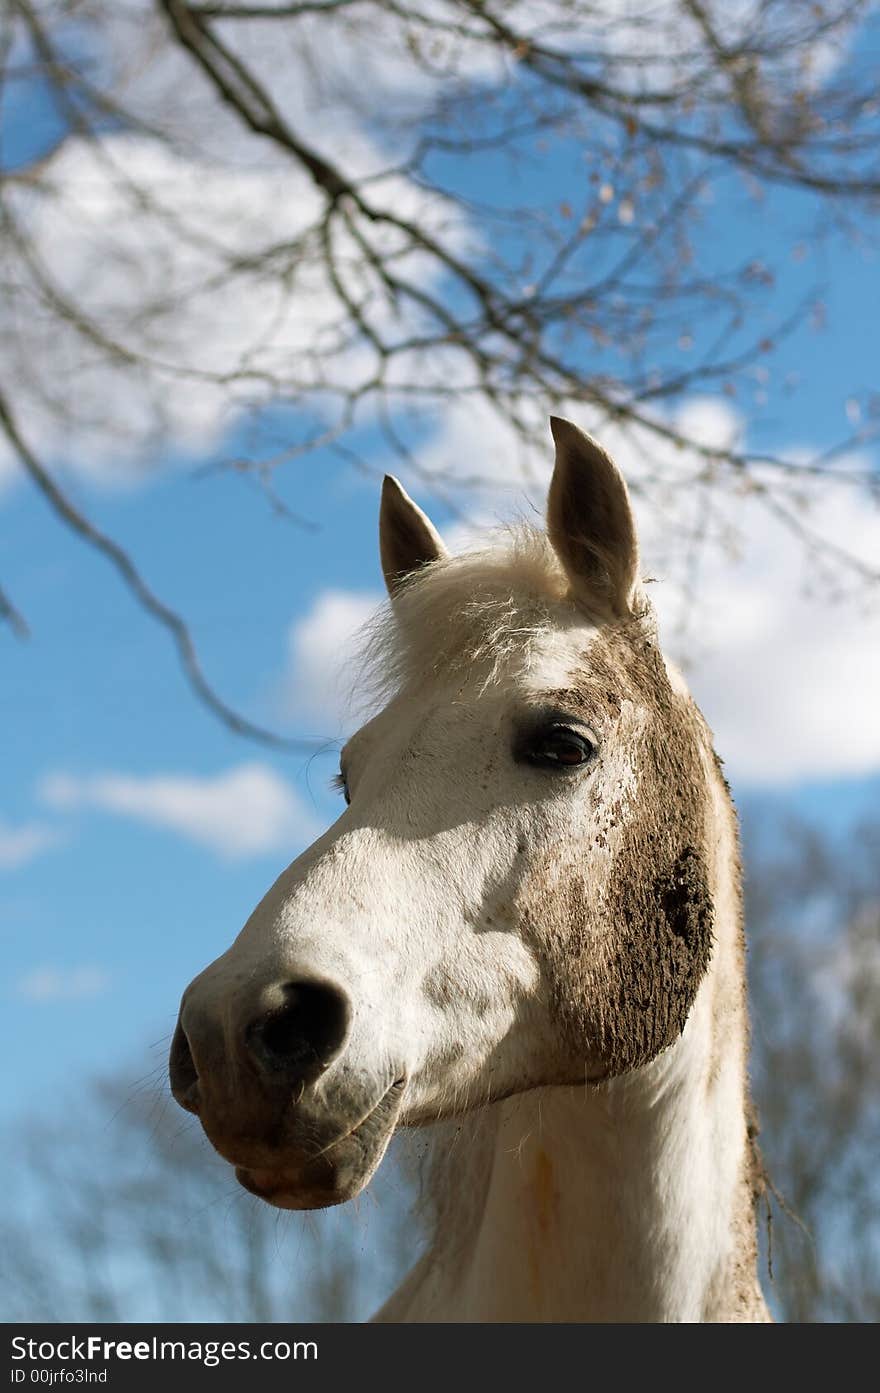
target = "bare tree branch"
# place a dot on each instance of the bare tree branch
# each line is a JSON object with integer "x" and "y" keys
{"x": 119, "y": 559}
{"x": 413, "y": 256}
{"x": 12, "y": 616}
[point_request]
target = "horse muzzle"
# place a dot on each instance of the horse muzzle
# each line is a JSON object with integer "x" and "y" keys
{"x": 337, "y": 1171}
{"x": 260, "y": 1078}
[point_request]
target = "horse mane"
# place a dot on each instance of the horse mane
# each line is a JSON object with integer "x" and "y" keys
{"x": 479, "y": 613}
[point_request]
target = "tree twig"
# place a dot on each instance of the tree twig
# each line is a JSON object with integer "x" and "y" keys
{"x": 73, "y": 518}
{"x": 12, "y": 616}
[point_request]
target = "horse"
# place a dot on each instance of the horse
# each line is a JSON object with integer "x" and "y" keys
{"x": 524, "y": 933}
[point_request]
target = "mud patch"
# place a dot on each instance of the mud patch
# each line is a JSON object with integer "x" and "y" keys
{"x": 650, "y": 978}
{"x": 625, "y": 923}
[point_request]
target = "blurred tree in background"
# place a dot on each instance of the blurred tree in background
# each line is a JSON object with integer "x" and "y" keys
{"x": 813, "y": 917}
{"x": 124, "y": 1213}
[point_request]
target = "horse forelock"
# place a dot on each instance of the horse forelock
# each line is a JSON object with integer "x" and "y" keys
{"x": 478, "y": 616}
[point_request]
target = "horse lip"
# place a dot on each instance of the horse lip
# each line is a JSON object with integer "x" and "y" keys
{"x": 361, "y": 1122}
{"x": 277, "y": 1184}
{"x": 262, "y": 1183}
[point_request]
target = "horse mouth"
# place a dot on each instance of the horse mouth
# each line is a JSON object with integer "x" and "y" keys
{"x": 337, "y": 1172}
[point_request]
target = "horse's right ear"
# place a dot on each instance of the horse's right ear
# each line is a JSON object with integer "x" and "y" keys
{"x": 590, "y": 522}
{"x": 407, "y": 537}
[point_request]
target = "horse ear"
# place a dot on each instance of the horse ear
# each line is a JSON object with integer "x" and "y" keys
{"x": 407, "y": 537}
{"x": 590, "y": 521}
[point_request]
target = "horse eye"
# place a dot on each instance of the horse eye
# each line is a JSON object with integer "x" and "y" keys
{"x": 559, "y": 748}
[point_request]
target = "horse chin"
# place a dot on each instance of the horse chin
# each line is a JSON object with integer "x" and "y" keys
{"x": 300, "y": 1189}
{"x": 338, "y": 1172}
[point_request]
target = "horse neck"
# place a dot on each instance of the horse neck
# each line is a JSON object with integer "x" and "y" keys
{"x": 631, "y": 1201}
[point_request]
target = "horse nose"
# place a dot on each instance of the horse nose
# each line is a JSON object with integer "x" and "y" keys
{"x": 301, "y": 1034}
{"x": 182, "y": 1072}
{"x": 301, "y": 1028}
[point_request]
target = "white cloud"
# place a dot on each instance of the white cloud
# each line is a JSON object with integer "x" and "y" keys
{"x": 9, "y": 473}
{"x": 147, "y": 240}
{"x": 189, "y": 264}
{"x": 182, "y": 248}
{"x": 46, "y": 984}
{"x": 18, "y": 845}
{"x": 319, "y": 651}
{"x": 248, "y": 811}
{"x": 787, "y": 673}
{"x": 365, "y": 62}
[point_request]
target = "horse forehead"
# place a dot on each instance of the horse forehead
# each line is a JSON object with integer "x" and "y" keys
{"x": 560, "y": 659}
{"x": 594, "y": 669}
{"x": 592, "y": 661}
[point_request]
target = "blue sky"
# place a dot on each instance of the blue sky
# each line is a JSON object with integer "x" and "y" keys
{"x": 115, "y": 888}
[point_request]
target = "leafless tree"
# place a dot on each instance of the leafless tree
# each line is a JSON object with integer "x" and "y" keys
{"x": 120, "y": 1211}
{"x": 814, "y": 920}
{"x": 372, "y": 213}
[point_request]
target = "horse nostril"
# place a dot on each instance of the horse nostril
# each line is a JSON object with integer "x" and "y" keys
{"x": 302, "y": 1037}
{"x": 182, "y": 1072}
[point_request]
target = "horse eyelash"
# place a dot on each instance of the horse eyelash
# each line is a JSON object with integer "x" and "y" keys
{"x": 337, "y": 783}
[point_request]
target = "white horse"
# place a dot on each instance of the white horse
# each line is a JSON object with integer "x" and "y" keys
{"x": 529, "y": 913}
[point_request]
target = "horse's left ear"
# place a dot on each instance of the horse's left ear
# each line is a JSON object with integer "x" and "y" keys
{"x": 407, "y": 537}
{"x": 590, "y": 522}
